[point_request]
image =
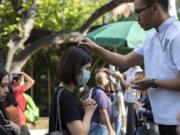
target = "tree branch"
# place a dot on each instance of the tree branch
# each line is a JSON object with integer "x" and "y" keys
{"x": 48, "y": 41}
{"x": 61, "y": 38}
{"x": 99, "y": 12}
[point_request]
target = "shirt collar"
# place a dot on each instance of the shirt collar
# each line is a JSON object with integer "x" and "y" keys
{"x": 166, "y": 24}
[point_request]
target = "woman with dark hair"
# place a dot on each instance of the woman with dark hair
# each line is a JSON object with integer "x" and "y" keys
{"x": 7, "y": 127}
{"x": 21, "y": 82}
{"x": 72, "y": 72}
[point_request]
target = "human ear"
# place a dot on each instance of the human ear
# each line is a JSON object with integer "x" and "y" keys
{"x": 155, "y": 8}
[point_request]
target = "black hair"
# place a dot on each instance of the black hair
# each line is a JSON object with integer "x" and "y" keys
{"x": 16, "y": 77}
{"x": 3, "y": 73}
{"x": 164, "y": 3}
{"x": 70, "y": 64}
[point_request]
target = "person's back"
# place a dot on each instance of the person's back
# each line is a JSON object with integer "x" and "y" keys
{"x": 67, "y": 113}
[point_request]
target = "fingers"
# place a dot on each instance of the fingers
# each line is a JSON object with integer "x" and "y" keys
{"x": 135, "y": 86}
{"x": 84, "y": 40}
{"x": 140, "y": 85}
{"x": 89, "y": 102}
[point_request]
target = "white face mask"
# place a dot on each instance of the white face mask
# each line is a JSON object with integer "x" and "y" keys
{"x": 84, "y": 78}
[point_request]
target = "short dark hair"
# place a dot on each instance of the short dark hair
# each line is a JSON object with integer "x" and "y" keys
{"x": 164, "y": 3}
{"x": 70, "y": 64}
{"x": 3, "y": 73}
{"x": 16, "y": 77}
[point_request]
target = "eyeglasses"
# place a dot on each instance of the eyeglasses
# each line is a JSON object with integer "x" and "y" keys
{"x": 138, "y": 11}
{"x": 4, "y": 85}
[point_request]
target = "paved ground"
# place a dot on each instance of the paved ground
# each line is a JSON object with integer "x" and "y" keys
{"x": 38, "y": 131}
{"x": 40, "y": 128}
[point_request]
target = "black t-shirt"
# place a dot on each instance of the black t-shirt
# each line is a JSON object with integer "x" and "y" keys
{"x": 70, "y": 107}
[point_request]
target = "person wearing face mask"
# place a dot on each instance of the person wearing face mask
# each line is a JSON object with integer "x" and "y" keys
{"x": 72, "y": 72}
{"x": 7, "y": 127}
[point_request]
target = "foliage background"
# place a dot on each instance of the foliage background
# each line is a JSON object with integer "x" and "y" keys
{"x": 53, "y": 16}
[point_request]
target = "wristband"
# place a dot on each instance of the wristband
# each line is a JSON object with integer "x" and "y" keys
{"x": 153, "y": 85}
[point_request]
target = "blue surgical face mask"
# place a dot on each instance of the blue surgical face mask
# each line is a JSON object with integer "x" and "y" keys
{"x": 84, "y": 78}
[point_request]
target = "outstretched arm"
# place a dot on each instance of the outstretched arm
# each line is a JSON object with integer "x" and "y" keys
{"x": 117, "y": 75}
{"x": 129, "y": 60}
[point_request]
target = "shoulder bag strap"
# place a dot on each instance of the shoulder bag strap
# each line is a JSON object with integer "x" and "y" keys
{"x": 90, "y": 93}
{"x": 58, "y": 115}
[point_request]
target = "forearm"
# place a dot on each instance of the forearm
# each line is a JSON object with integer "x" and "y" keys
{"x": 106, "y": 120}
{"x": 124, "y": 84}
{"x": 29, "y": 82}
{"x": 110, "y": 57}
{"x": 27, "y": 77}
{"x": 168, "y": 84}
{"x": 119, "y": 106}
{"x": 172, "y": 85}
{"x": 87, "y": 121}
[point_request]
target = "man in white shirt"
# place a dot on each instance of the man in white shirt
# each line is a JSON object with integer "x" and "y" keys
{"x": 160, "y": 53}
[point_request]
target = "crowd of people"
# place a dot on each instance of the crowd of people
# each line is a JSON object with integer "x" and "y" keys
{"x": 110, "y": 116}
{"x": 135, "y": 102}
{"x": 13, "y": 103}
{"x": 160, "y": 55}
{"x": 101, "y": 109}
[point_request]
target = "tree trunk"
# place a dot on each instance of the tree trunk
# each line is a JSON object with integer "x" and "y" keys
{"x": 17, "y": 41}
{"x": 99, "y": 12}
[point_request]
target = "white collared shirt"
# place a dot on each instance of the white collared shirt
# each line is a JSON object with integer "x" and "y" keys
{"x": 161, "y": 52}
{"x": 130, "y": 95}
